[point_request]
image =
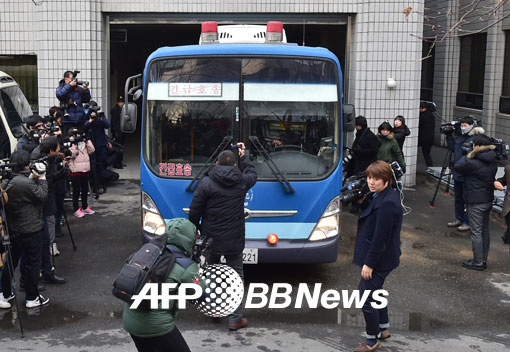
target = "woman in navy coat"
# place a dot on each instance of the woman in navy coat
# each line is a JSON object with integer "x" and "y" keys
{"x": 377, "y": 249}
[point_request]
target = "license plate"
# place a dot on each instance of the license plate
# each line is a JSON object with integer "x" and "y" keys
{"x": 250, "y": 256}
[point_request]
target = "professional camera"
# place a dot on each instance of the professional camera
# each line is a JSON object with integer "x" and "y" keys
{"x": 355, "y": 188}
{"x": 502, "y": 149}
{"x": 451, "y": 127}
{"x": 35, "y": 165}
{"x": 5, "y": 170}
{"x": 448, "y": 128}
{"x": 75, "y": 74}
{"x": 201, "y": 250}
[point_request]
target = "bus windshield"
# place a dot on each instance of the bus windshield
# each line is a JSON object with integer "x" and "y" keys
{"x": 290, "y": 103}
{"x": 15, "y": 107}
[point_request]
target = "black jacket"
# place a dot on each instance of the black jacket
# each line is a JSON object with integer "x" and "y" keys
{"x": 365, "y": 148}
{"x": 400, "y": 135}
{"x": 53, "y": 175}
{"x": 219, "y": 202}
{"x": 426, "y": 128}
{"x": 378, "y": 238}
{"x": 479, "y": 169}
{"x": 24, "y": 209}
{"x": 457, "y": 144}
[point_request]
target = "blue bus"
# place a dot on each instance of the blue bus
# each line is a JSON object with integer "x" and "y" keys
{"x": 283, "y": 101}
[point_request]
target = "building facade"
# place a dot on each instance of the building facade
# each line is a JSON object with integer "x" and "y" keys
{"x": 109, "y": 40}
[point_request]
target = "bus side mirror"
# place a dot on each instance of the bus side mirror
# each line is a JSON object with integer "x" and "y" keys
{"x": 349, "y": 121}
{"x": 128, "y": 118}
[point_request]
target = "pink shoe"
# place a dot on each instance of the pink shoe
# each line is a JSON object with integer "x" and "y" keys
{"x": 79, "y": 213}
{"x": 88, "y": 211}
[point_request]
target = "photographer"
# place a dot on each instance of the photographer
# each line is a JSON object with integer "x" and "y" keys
{"x": 49, "y": 149}
{"x": 96, "y": 123}
{"x": 364, "y": 147}
{"x": 217, "y": 209}
{"x": 72, "y": 96}
{"x": 79, "y": 164}
{"x": 377, "y": 249}
{"x": 154, "y": 330}
{"x": 30, "y": 141}
{"x": 479, "y": 169}
{"x": 457, "y": 139}
{"x": 27, "y": 191}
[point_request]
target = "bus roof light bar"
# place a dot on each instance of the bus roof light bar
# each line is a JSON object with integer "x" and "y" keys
{"x": 287, "y": 187}
{"x": 274, "y": 32}
{"x": 209, "y": 33}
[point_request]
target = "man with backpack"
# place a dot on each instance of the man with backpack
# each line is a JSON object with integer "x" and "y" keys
{"x": 154, "y": 329}
{"x": 219, "y": 201}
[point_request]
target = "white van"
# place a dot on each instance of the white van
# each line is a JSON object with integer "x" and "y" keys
{"x": 14, "y": 109}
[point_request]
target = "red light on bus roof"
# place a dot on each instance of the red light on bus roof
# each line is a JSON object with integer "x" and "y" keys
{"x": 274, "y": 27}
{"x": 272, "y": 238}
{"x": 209, "y": 27}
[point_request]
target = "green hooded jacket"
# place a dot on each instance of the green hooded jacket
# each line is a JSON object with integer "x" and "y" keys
{"x": 180, "y": 232}
{"x": 389, "y": 150}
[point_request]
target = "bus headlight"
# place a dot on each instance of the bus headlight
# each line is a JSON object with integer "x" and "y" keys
{"x": 329, "y": 223}
{"x": 152, "y": 222}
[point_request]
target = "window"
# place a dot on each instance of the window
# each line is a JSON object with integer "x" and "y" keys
{"x": 427, "y": 71}
{"x": 504, "y": 100}
{"x": 472, "y": 71}
{"x": 23, "y": 69}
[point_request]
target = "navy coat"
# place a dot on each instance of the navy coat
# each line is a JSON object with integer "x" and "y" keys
{"x": 378, "y": 237}
{"x": 219, "y": 201}
{"x": 67, "y": 94}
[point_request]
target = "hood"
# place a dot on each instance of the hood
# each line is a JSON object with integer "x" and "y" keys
{"x": 180, "y": 232}
{"x": 476, "y": 130}
{"x": 388, "y": 137}
{"x": 404, "y": 129}
{"x": 483, "y": 153}
{"x": 225, "y": 175}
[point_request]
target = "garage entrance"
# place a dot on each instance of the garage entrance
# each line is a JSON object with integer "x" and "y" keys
{"x": 133, "y": 38}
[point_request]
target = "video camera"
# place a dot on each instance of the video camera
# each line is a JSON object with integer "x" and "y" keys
{"x": 50, "y": 125}
{"x": 75, "y": 73}
{"x": 356, "y": 187}
{"x": 448, "y": 128}
{"x": 502, "y": 149}
{"x": 35, "y": 165}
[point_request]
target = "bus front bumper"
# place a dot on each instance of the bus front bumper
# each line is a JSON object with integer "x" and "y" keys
{"x": 296, "y": 251}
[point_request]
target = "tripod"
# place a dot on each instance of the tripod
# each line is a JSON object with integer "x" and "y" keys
{"x": 446, "y": 165}
{"x": 6, "y": 242}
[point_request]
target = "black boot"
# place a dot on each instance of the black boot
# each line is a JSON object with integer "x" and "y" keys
{"x": 506, "y": 238}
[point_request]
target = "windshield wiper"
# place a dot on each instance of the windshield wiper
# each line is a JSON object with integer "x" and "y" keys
{"x": 287, "y": 187}
{"x": 209, "y": 163}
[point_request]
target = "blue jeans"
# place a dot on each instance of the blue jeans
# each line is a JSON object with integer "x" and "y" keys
{"x": 375, "y": 319}
{"x": 460, "y": 212}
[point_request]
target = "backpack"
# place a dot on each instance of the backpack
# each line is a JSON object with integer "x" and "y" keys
{"x": 150, "y": 264}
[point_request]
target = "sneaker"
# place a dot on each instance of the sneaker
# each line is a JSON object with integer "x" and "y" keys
{"x": 88, "y": 211}
{"x": 79, "y": 213}
{"x": 4, "y": 303}
{"x": 54, "y": 250}
{"x": 455, "y": 223}
{"x": 464, "y": 227}
{"x": 39, "y": 301}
